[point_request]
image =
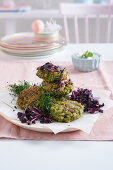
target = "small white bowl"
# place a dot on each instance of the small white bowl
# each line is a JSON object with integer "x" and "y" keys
{"x": 46, "y": 36}
{"x": 86, "y": 65}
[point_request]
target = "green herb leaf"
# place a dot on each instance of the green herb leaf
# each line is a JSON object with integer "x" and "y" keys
{"x": 87, "y": 54}
{"x": 90, "y": 54}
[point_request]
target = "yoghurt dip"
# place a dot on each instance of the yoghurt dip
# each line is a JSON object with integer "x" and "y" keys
{"x": 86, "y": 62}
{"x": 87, "y": 55}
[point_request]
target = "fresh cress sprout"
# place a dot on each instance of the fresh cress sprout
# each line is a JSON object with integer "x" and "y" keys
{"x": 17, "y": 88}
{"x": 45, "y": 102}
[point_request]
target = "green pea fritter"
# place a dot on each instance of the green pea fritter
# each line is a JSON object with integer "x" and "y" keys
{"x": 59, "y": 89}
{"x": 29, "y": 97}
{"x": 51, "y": 73}
{"x": 66, "y": 111}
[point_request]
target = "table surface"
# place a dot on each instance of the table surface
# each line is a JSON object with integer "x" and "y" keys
{"x": 62, "y": 155}
{"x": 104, "y": 49}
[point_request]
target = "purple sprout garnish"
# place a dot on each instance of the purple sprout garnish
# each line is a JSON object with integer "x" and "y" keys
{"x": 62, "y": 82}
{"x": 85, "y": 97}
{"x": 50, "y": 67}
{"x": 30, "y": 116}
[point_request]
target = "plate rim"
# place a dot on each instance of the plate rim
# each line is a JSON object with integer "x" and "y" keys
{"x": 2, "y": 41}
{"x": 39, "y": 55}
{"x": 37, "y": 129}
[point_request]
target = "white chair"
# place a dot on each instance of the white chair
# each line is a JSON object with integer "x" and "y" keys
{"x": 86, "y": 10}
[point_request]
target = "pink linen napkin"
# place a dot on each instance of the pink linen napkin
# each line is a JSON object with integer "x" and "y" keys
{"x": 12, "y": 72}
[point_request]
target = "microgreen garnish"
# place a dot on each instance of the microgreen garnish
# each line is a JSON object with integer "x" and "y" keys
{"x": 45, "y": 102}
{"x": 86, "y": 98}
{"x": 17, "y": 88}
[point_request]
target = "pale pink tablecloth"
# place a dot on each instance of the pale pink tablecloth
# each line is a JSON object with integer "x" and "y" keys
{"x": 102, "y": 79}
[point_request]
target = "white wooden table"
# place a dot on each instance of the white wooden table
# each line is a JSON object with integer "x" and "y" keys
{"x": 106, "y": 50}
{"x": 59, "y": 155}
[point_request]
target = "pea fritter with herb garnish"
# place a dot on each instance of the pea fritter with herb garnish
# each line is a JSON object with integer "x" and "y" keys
{"x": 30, "y": 97}
{"x": 66, "y": 111}
{"x": 59, "y": 89}
{"x": 51, "y": 73}
{"x": 51, "y": 97}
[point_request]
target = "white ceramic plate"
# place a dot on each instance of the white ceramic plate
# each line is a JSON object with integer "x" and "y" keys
{"x": 6, "y": 111}
{"x": 38, "y": 47}
{"x": 24, "y": 40}
{"x": 84, "y": 123}
{"x": 24, "y": 45}
{"x": 24, "y": 51}
{"x": 34, "y": 54}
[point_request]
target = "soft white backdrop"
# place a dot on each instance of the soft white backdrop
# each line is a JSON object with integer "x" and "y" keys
{"x": 25, "y": 25}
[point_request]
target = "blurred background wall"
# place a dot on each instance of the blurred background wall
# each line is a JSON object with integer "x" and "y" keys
{"x": 24, "y": 25}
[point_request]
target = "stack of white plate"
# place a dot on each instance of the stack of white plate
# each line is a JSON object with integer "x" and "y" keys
{"x": 25, "y": 45}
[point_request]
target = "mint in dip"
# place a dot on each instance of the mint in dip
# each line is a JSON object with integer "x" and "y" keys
{"x": 87, "y": 54}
